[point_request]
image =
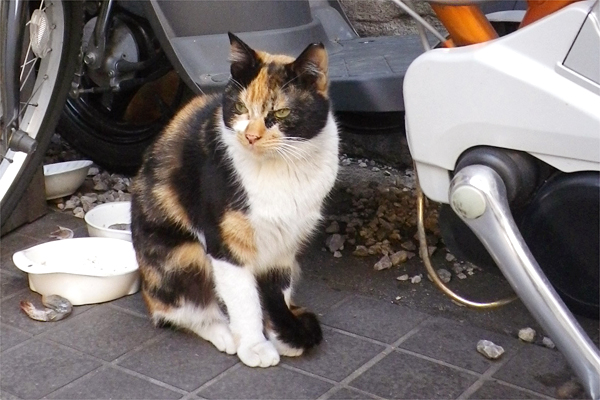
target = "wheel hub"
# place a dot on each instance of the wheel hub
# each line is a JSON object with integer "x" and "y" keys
{"x": 120, "y": 45}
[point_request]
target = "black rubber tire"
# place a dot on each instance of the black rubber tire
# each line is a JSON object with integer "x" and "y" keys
{"x": 104, "y": 141}
{"x": 73, "y": 15}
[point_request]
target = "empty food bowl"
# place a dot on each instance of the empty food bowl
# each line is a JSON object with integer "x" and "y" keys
{"x": 64, "y": 178}
{"x": 111, "y": 220}
{"x": 82, "y": 270}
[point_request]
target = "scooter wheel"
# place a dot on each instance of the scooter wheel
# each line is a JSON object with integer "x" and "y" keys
{"x": 562, "y": 231}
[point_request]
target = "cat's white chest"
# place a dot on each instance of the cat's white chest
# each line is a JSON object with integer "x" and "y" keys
{"x": 284, "y": 209}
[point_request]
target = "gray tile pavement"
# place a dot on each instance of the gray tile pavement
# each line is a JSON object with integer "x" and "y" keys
{"x": 372, "y": 349}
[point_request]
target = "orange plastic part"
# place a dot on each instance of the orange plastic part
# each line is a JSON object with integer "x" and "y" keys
{"x": 537, "y": 9}
{"x": 466, "y": 24}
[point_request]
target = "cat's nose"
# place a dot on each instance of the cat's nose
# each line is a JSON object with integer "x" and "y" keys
{"x": 252, "y": 138}
{"x": 255, "y": 130}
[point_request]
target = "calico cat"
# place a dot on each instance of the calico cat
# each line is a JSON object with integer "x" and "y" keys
{"x": 227, "y": 196}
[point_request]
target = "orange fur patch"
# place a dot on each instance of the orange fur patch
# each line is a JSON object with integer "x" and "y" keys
{"x": 152, "y": 278}
{"x": 168, "y": 201}
{"x": 238, "y": 236}
{"x": 185, "y": 257}
{"x": 153, "y": 304}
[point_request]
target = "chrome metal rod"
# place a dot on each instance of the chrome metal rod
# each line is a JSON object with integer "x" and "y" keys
{"x": 478, "y": 196}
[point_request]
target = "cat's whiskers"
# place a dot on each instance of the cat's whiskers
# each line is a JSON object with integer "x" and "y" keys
{"x": 238, "y": 84}
{"x": 297, "y": 153}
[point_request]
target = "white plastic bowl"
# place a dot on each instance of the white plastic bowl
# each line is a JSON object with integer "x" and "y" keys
{"x": 63, "y": 179}
{"x": 82, "y": 270}
{"x": 100, "y": 219}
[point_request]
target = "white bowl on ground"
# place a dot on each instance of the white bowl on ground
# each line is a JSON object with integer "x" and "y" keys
{"x": 82, "y": 270}
{"x": 110, "y": 220}
{"x": 63, "y": 179}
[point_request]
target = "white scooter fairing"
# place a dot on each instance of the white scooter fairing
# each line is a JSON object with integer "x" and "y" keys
{"x": 537, "y": 92}
{"x": 521, "y": 92}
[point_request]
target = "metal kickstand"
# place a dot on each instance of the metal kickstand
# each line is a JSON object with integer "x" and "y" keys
{"x": 478, "y": 196}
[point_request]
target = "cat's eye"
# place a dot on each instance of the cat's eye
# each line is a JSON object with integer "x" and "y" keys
{"x": 282, "y": 113}
{"x": 240, "y": 107}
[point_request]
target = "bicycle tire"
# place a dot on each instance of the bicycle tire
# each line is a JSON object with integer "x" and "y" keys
{"x": 66, "y": 19}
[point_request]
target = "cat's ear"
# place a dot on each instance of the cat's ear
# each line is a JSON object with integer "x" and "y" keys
{"x": 312, "y": 65}
{"x": 243, "y": 59}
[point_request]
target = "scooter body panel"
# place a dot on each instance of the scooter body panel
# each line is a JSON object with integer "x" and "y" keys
{"x": 508, "y": 93}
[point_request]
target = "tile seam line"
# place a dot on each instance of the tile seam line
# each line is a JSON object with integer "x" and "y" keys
{"x": 108, "y": 364}
{"x": 439, "y": 362}
{"x": 10, "y": 296}
{"x": 395, "y": 344}
{"x": 308, "y": 373}
{"x": 492, "y": 369}
{"x": 215, "y": 379}
{"x": 521, "y": 388}
{"x": 370, "y": 363}
{"x": 128, "y": 311}
{"x": 16, "y": 328}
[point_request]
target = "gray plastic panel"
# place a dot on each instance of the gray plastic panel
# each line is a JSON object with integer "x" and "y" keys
{"x": 198, "y": 17}
{"x": 584, "y": 56}
{"x": 368, "y": 73}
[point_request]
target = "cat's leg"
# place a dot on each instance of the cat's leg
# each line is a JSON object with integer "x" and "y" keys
{"x": 237, "y": 288}
{"x": 178, "y": 289}
{"x": 291, "y": 329}
{"x": 207, "y": 321}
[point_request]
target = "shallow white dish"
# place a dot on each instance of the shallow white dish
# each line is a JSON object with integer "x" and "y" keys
{"x": 101, "y": 218}
{"x": 82, "y": 270}
{"x": 63, "y": 179}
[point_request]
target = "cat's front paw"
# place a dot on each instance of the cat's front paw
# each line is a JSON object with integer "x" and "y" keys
{"x": 220, "y": 336}
{"x": 262, "y": 354}
{"x": 283, "y": 348}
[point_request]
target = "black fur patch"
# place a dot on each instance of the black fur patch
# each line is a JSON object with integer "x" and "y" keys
{"x": 299, "y": 331}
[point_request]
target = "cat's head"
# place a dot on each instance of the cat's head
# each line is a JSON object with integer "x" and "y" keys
{"x": 274, "y": 101}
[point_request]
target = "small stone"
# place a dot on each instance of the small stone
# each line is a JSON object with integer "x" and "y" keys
{"x": 93, "y": 171}
{"x": 444, "y": 275}
{"x": 416, "y": 279}
{"x": 408, "y": 245}
{"x": 362, "y": 165}
{"x": 410, "y": 255}
{"x": 387, "y": 173}
{"x": 399, "y": 257}
{"x": 402, "y": 278}
{"x": 546, "y": 341}
{"x": 489, "y": 349}
{"x": 100, "y": 186}
{"x": 460, "y": 275}
{"x": 395, "y": 236}
{"x": 450, "y": 257}
{"x": 78, "y": 212}
{"x": 337, "y": 254}
{"x": 335, "y": 242}
{"x": 361, "y": 251}
{"x": 89, "y": 199}
{"x": 384, "y": 263}
{"x": 431, "y": 250}
{"x": 457, "y": 268}
{"x": 527, "y": 335}
{"x": 334, "y": 227}
{"x": 61, "y": 206}
{"x": 70, "y": 205}
{"x": 346, "y": 162}
{"x": 375, "y": 169}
